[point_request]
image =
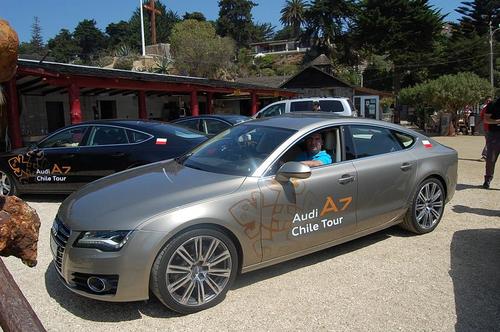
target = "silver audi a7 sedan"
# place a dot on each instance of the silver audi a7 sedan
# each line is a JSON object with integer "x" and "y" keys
{"x": 257, "y": 194}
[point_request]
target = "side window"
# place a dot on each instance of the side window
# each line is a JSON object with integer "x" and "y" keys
{"x": 273, "y": 110}
{"x": 68, "y": 138}
{"x": 331, "y": 106}
{"x": 354, "y": 111}
{"x": 105, "y": 135}
{"x": 192, "y": 124}
{"x": 135, "y": 136}
{"x": 371, "y": 141}
{"x": 301, "y": 106}
{"x": 215, "y": 126}
{"x": 405, "y": 139}
{"x": 319, "y": 148}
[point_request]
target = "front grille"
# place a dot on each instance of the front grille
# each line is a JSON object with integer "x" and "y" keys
{"x": 60, "y": 233}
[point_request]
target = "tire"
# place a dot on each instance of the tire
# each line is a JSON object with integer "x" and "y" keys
{"x": 427, "y": 207}
{"x": 7, "y": 184}
{"x": 186, "y": 279}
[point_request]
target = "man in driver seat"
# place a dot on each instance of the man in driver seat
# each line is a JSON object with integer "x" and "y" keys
{"x": 314, "y": 156}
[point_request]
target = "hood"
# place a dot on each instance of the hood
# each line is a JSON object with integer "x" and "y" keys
{"x": 125, "y": 200}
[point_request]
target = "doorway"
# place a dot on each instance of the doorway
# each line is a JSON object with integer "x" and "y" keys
{"x": 108, "y": 109}
{"x": 55, "y": 115}
{"x": 368, "y": 106}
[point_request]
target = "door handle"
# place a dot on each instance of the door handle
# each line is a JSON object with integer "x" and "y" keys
{"x": 345, "y": 179}
{"x": 406, "y": 166}
{"x": 68, "y": 156}
{"x": 118, "y": 154}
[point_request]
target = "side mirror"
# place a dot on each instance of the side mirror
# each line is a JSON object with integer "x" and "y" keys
{"x": 293, "y": 169}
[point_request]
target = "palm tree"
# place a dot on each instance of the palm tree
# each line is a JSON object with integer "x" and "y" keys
{"x": 293, "y": 14}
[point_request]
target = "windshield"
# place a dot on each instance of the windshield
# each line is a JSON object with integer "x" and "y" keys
{"x": 238, "y": 150}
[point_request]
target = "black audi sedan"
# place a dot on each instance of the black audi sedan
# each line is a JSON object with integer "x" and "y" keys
{"x": 211, "y": 124}
{"x": 77, "y": 154}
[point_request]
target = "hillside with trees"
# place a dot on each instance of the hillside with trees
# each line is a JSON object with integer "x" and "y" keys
{"x": 392, "y": 44}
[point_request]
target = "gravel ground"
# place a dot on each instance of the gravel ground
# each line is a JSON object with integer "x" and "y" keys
{"x": 443, "y": 281}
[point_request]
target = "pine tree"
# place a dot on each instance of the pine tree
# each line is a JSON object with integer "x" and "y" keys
{"x": 235, "y": 21}
{"x": 36, "y": 34}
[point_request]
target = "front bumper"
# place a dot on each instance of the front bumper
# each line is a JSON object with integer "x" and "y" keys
{"x": 127, "y": 270}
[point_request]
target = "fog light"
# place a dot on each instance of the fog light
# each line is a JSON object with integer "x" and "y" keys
{"x": 97, "y": 284}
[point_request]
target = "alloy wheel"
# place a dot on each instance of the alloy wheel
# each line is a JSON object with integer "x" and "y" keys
{"x": 5, "y": 185}
{"x": 429, "y": 205}
{"x": 198, "y": 271}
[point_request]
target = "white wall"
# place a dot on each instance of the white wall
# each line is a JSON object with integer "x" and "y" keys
{"x": 33, "y": 116}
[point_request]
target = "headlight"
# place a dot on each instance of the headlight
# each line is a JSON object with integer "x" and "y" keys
{"x": 103, "y": 240}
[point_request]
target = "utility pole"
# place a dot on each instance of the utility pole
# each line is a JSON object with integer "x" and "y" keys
{"x": 142, "y": 30}
{"x": 492, "y": 32}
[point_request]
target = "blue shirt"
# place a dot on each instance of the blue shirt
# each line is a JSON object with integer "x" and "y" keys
{"x": 321, "y": 156}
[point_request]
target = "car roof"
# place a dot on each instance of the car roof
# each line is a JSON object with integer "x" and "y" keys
{"x": 310, "y": 99}
{"x": 303, "y": 120}
{"x": 138, "y": 124}
{"x": 231, "y": 118}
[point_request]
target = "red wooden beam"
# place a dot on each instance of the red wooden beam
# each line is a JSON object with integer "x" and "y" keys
{"x": 143, "y": 114}
{"x": 254, "y": 104}
{"x": 36, "y": 72}
{"x": 195, "y": 108}
{"x": 13, "y": 115}
{"x": 125, "y": 84}
{"x": 74, "y": 104}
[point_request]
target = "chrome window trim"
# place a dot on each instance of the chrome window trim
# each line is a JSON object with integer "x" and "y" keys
{"x": 390, "y": 129}
{"x": 262, "y": 169}
{"x": 106, "y": 145}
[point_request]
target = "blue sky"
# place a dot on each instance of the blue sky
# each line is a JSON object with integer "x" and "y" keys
{"x": 55, "y": 15}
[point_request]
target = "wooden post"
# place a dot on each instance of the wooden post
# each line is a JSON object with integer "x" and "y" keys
{"x": 74, "y": 103}
{"x": 153, "y": 12}
{"x": 143, "y": 114}
{"x": 195, "y": 109}
{"x": 13, "y": 115}
{"x": 16, "y": 313}
{"x": 254, "y": 103}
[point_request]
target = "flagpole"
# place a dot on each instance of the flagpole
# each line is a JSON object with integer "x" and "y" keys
{"x": 142, "y": 30}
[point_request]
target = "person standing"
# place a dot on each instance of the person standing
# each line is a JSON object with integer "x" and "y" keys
{"x": 485, "y": 126}
{"x": 472, "y": 123}
{"x": 492, "y": 118}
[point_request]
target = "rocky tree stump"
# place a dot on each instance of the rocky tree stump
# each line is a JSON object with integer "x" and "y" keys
{"x": 19, "y": 226}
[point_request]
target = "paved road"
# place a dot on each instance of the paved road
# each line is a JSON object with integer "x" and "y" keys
{"x": 444, "y": 281}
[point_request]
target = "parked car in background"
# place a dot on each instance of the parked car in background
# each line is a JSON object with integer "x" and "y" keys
{"x": 78, "y": 154}
{"x": 337, "y": 105}
{"x": 211, "y": 124}
{"x": 240, "y": 201}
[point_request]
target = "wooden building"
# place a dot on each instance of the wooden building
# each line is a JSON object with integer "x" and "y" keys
{"x": 45, "y": 96}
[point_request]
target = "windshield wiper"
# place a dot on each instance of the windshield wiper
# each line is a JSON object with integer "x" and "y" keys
{"x": 183, "y": 158}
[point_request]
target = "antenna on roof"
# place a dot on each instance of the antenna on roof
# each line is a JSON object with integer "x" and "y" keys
{"x": 43, "y": 58}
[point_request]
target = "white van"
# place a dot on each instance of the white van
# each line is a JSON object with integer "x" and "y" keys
{"x": 337, "y": 105}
